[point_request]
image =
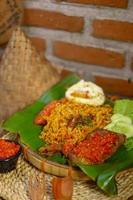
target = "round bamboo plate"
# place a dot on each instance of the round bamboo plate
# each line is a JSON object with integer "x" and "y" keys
{"x": 51, "y": 167}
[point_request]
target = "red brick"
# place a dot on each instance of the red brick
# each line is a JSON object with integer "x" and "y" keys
{"x": 39, "y": 43}
{"x": 89, "y": 55}
{"x": 115, "y": 85}
{"x": 112, "y": 29}
{"x": 52, "y": 20}
{"x": 112, "y": 3}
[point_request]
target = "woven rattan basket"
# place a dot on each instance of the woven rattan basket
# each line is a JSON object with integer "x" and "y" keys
{"x": 24, "y": 75}
{"x": 10, "y": 16}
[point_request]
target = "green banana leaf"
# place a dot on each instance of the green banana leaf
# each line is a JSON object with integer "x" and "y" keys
{"x": 23, "y": 123}
{"x": 104, "y": 174}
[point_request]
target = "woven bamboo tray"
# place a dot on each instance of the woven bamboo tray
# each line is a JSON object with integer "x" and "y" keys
{"x": 14, "y": 185}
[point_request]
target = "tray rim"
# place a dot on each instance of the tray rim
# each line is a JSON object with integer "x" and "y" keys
{"x": 51, "y": 167}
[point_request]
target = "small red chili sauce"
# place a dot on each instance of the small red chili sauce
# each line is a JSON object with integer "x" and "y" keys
{"x": 8, "y": 149}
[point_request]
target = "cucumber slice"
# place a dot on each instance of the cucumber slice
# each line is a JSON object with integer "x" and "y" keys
{"x": 121, "y": 118}
{"x": 109, "y": 126}
{"x": 124, "y": 128}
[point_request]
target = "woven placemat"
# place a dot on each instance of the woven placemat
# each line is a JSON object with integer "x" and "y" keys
{"x": 14, "y": 185}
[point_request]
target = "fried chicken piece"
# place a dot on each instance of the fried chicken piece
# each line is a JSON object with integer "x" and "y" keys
{"x": 97, "y": 148}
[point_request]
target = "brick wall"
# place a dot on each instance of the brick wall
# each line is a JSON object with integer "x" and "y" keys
{"x": 91, "y": 37}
